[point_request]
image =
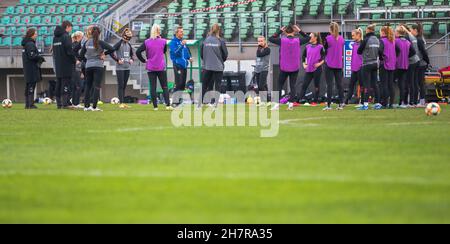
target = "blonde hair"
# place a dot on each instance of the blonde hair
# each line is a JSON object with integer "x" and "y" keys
{"x": 88, "y": 31}
{"x": 215, "y": 30}
{"x": 358, "y": 31}
{"x": 387, "y": 30}
{"x": 334, "y": 29}
{"x": 371, "y": 27}
{"x": 155, "y": 32}
{"x": 401, "y": 30}
{"x": 76, "y": 34}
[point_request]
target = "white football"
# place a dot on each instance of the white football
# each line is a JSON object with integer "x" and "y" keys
{"x": 47, "y": 101}
{"x": 115, "y": 101}
{"x": 7, "y": 103}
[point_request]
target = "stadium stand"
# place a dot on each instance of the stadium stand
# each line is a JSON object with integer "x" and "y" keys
{"x": 246, "y": 21}
{"x": 39, "y": 13}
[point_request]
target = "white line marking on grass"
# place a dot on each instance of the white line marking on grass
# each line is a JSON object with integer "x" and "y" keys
{"x": 410, "y": 123}
{"x": 124, "y": 130}
{"x": 421, "y": 181}
{"x": 292, "y": 121}
{"x": 289, "y": 121}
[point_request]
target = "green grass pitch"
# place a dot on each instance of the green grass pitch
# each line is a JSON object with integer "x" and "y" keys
{"x": 132, "y": 166}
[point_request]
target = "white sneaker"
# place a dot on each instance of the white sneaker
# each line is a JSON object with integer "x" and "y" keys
{"x": 269, "y": 104}
{"x": 359, "y": 105}
{"x": 88, "y": 109}
{"x": 307, "y": 105}
{"x": 79, "y": 106}
{"x": 403, "y": 106}
{"x": 275, "y": 107}
{"x": 290, "y": 106}
{"x": 97, "y": 110}
{"x": 155, "y": 109}
{"x": 169, "y": 108}
{"x": 340, "y": 107}
{"x": 327, "y": 108}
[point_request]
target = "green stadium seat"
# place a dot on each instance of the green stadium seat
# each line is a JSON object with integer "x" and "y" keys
{"x": 41, "y": 10}
{"x": 16, "y": 20}
{"x": 44, "y": 1}
{"x": 443, "y": 29}
{"x": 23, "y": 2}
{"x": 48, "y": 41}
{"x": 20, "y": 31}
{"x": 61, "y": 10}
{"x": 89, "y": 19}
{"x": 10, "y": 10}
{"x": 36, "y": 20}
{"x": 42, "y": 31}
{"x": 92, "y": 9}
{"x": 30, "y": 10}
{"x": 57, "y": 20}
{"x": 2, "y": 30}
{"x": 47, "y": 20}
{"x": 78, "y": 19}
{"x": 6, "y": 20}
{"x": 82, "y": 9}
{"x": 26, "y": 20}
{"x": 17, "y": 41}
{"x": 7, "y": 41}
{"x": 20, "y": 10}
{"x": 51, "y": 9}
{"x": 68, "y": 18}
{"x": 72, "y": 9}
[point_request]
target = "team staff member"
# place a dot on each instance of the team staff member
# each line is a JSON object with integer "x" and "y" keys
{"x": 180, "y": 56}
{"x": 32, "y": 61}
{"x": 214, "y": 53}
{"x": 64, "y": 63}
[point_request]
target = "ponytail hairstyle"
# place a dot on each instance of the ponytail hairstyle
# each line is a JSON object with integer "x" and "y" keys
{"x": 127, "y": 34}
{"x": 215, "y": 30}
{"x": 419, "y": 28}
{"x": 389, "y": 32}
{"x": 95, "y": 35}
{"x": 401, "y": 30}
{"x": 317, "y": 35}
{"x": 371, "y": 27}
{"x": 359, "y": 32}
{"x": 334, "y": 29}
{"x": 30, "y": 33}
{"x": 155, "y": 32}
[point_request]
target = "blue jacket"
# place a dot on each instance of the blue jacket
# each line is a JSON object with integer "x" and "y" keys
{"x": 179, "y": 54}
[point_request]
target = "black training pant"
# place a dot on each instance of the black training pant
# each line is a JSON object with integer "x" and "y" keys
{"x": 292, "y": 83}
{"x": 209, "y": 79}
{"x": 387, "y": 82}
{"x": 122, "y": 80}
{"x": 310, "y": 76}
{"x": 370, "y": 77}
{"x": 335, "y": 74}
{"x": 153, "y": 77}
{"x": 63, "y": 91}
{"x": 94, "y": 77}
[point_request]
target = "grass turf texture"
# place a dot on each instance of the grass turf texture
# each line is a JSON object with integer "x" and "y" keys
{"x": 130, "y": 166}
